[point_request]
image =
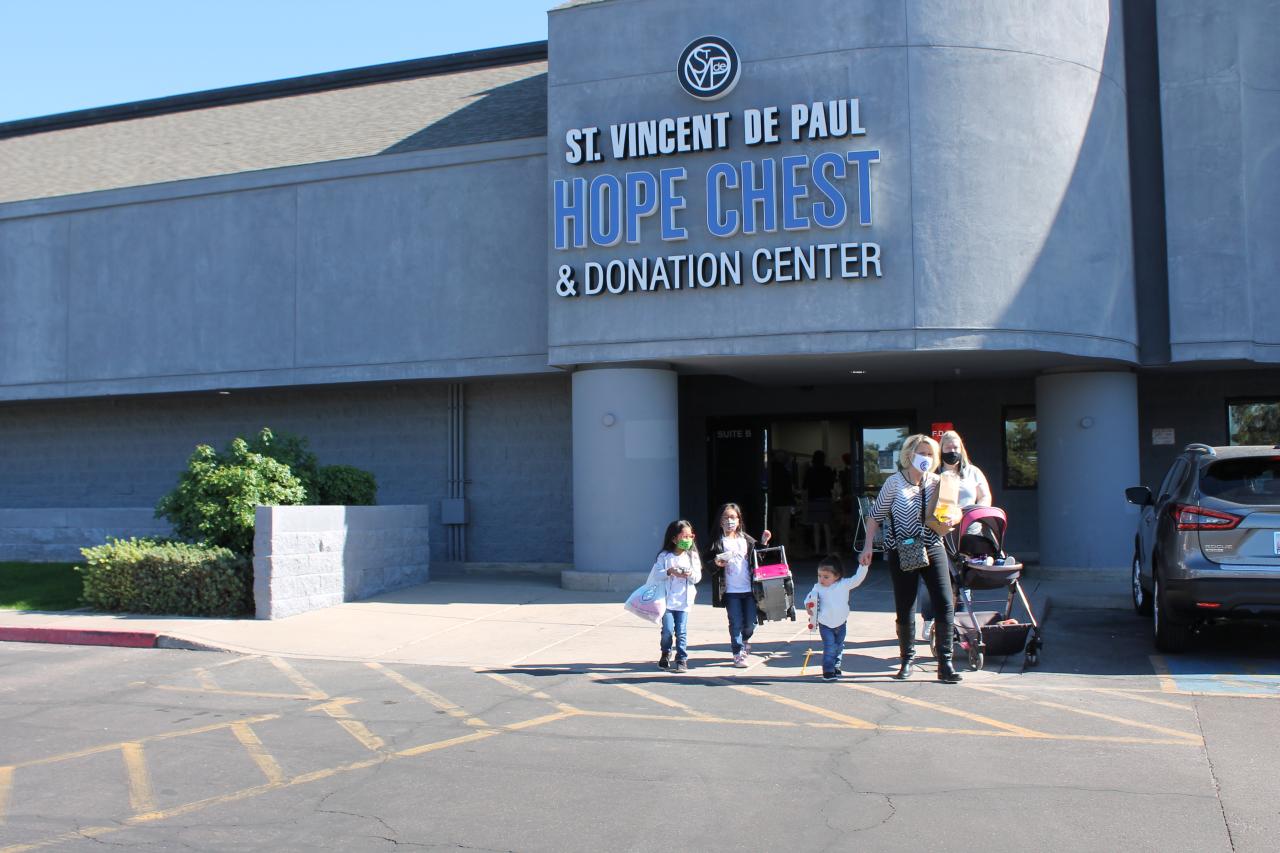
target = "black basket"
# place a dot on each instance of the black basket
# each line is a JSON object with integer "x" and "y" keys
{"x": 998, "y": 640}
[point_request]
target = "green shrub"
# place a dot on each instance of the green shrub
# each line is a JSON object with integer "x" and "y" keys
{"x": 293, "y": 452}
{"x": 151, "y": 576}
{"x": 343, "y": 484}
{"x": 216, "y": 496}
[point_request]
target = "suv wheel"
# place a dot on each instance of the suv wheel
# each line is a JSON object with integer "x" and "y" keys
{"x": 1170, "y": 636}
{"x": 1141, "y": 600}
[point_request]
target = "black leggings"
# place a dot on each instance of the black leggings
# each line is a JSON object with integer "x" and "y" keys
{"x": 937, "y": 581}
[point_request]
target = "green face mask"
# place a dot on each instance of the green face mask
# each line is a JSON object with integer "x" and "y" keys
{"x": 684, "y": 544}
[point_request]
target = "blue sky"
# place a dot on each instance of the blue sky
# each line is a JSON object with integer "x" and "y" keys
{"x": 62, "y": 55}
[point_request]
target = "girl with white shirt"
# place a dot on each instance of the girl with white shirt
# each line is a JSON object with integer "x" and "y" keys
{"x": 730, "y": 560}
{"x": 678, "y": 569}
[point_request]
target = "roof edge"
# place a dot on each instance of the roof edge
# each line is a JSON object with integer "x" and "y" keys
{"x": 384, "y": 73}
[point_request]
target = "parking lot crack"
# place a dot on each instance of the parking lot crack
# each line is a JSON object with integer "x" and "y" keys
{"x": 1213, "y": 776}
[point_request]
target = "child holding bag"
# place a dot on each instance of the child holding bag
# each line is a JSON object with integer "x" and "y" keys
{"x": 677, "y": 569}
{"x": 828, "y": 607}
{"x": 730, "y": 563}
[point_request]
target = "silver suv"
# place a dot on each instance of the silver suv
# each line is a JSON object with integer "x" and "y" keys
{"x": 1208, "y": 545}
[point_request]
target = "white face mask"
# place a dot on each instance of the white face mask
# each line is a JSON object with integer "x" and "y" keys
{"x": 731, "y": 524}
{"x": 923, "y": 464}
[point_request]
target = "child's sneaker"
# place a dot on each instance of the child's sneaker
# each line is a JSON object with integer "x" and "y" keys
{"x": 664, "y": 661}
{"x": 740, "y": 660}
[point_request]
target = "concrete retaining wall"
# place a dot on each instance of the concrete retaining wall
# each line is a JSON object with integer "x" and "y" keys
{"x": 57, "y": 534}
{"x": 309, "y": 557}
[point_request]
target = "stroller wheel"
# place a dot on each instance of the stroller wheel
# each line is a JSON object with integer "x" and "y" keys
{"x": 1033, "y": 653}
{"x": 976, "y": 658}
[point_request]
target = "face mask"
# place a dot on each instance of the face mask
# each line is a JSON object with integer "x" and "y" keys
{"x": 951, "y": 458}
{"x": 731, "y": 524}
{"x": 923, "y": 464}
{"x": 685, "y": 544}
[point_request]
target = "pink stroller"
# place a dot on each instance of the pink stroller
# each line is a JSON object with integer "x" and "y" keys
{"x": 979, "y": 562}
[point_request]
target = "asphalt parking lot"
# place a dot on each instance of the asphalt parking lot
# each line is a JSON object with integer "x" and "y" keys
{"x": 1104, "y": 747}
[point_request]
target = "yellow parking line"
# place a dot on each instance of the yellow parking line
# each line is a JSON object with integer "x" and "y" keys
{"x": 430, "y": 696}
{"x": 945, "y": 709}
{"x": 1124, "y": 721}
{"x": 142, "y": 798}
{"x": 337, "y": 709}
{"x": 1161, "y": 666}
{"x": 6, "y": 785}
{"x": 445, "y": 744}
{"x": 257, "y": 694}
{"x": 930, "y": 730}
{"x": 267, "y": 764}
{"x": 244, "y": 794}
{"x": 646, "y": 694}
{"x": 298, "y": 679}
{"x": 112, "y": 747}
{"x": 528, "y": 691}
{"x": 852, "y": 722}
{"x": 1125, "y": 694}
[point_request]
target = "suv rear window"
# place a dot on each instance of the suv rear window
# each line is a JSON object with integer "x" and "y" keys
{"x": 1250, "y": 480}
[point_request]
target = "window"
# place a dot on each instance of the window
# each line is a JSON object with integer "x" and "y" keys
{"x": 1253, "y": 480}
{"x": 1253, "y": 421}
{"x": 1021, "y": 468}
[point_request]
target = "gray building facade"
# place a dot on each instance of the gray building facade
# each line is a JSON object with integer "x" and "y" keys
{"x": 647, "y": 253}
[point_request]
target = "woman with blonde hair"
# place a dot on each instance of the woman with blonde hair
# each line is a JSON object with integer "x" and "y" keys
{"x": 915, "y": 551}
{"x": 974, "y": 489}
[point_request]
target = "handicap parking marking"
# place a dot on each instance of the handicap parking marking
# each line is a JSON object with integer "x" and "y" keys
{"x": 1190, "y": 675}
{"x": 831, "y": 718}
{"x": 137, "y": 753}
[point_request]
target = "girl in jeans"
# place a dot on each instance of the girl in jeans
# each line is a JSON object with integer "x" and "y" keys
{"x": 678, "y": 569}
{"x": 730, "y": 562}
{"x": 902, "y": 508}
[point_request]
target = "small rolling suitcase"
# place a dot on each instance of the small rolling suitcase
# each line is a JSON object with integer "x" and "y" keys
{"x": 774, "y": 588}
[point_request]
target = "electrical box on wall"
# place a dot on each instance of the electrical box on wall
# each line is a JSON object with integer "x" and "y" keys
{"x": 453, "y": 511}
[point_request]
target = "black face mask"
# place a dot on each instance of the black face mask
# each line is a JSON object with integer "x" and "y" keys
{"x": 951, "y": 458}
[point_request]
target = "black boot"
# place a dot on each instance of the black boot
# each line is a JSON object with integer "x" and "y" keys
{"x": 945, "y": 638}
{"x": 664, "y": 661}
{"x": 906, "y": 650}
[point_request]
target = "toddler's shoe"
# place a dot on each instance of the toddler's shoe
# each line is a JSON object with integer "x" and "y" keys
{"x": 664, "y": 661}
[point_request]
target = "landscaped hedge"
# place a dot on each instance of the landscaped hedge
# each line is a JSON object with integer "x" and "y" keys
{"x": 344, "y": 485}
{"x": 150, "y": 576}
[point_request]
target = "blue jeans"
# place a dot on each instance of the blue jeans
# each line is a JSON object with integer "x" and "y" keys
{"x": 676, "y": 622}
{"x": 832, "y": 647}
{"x": 741, "y": 607}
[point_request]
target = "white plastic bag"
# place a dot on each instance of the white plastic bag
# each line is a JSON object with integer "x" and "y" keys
{"x": 649, "y": 602}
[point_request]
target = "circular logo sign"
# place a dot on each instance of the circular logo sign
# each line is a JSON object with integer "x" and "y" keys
{"x": 708, "y": 68}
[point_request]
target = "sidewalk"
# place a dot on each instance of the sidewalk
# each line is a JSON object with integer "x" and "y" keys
{"x": 528, "y": 621}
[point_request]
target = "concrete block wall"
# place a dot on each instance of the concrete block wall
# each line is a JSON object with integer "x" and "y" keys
{"x": 310, "y": 557}
{"x": 129, "y": 451}
{"x": 57, "y": 535}
{"x": 520, "y": 472}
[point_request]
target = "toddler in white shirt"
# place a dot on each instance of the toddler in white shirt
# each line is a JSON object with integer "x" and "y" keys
{"x": 828, "y": 607}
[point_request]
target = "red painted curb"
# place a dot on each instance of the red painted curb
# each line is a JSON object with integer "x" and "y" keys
{"x": 73, "y": 637}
